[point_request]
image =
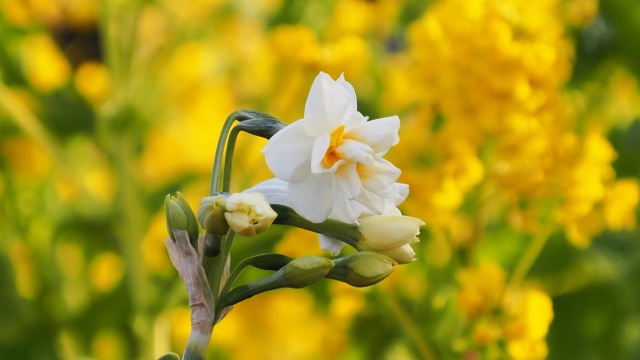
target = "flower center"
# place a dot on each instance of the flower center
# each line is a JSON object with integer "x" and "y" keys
{"x": 331, "y": 157}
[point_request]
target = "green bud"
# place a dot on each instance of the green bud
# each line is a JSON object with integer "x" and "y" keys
{"x": 179, "y": 216}
{"x": 295, "y": 273}
{"x": 363, "y": 268}
{"x": 306, "y": 270}
{"x": 211, "y": 214}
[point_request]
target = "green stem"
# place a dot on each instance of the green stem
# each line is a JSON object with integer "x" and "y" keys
{"x": 217, "y": 161}
{"x": 197, "y": 345}
{"x": 263, "y": 261}
{"x": 529, "y": 258}
{"x": 228, "y": 159}
{"x": 239, "y": 115}
{"x": 408, "y": 325}
{"x": 215, "y": 266}
{"x": 347, "y": 233}
{"x": 130, "y": 234}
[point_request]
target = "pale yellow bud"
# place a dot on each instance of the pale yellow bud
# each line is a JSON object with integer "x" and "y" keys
{"x": 402, "y": 254}
{"x": 391, "y": 235}
{"x": 249, "y": 214}
{"x": 383, "y": 232}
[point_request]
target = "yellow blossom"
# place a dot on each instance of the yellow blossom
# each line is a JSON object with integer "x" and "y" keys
{"x": 530, "y": 312}
{"x": 620, "y": 203}
{"x": 106, "y": 271}
{"x": 93, "y": 82}
{"x": 481, "y": 289}
{"x": 44, "y": 65}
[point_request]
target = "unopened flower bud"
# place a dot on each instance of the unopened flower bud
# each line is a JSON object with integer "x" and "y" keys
{"x": 179, "y": 216}
{"x": 211, "y": 214}
{"x": 403, "y": 254}
{"x": 297, "y": 273}
{"x": 249, "y": 214}
{"x": 363, "y": 268}
{"x": 391, "y": 235}
{"x": 306, "y": 270}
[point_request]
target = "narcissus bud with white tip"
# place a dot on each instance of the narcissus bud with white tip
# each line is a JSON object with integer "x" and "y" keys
{"x": 249, "y": 214}
{"x": 391, "y": 235}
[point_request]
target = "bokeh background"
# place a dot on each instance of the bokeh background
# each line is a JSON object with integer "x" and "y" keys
{"x": 520, "y": 139}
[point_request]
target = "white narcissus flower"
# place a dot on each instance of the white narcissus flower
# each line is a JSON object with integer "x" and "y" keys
{"x": 331, "y": 159}
{"x": 248, "y": 214}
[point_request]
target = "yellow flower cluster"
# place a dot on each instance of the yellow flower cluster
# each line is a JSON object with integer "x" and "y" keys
{"x": 492, "y": 127}
{"x": 518, "y": 316}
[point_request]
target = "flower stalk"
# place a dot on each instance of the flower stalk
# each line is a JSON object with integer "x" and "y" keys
{"x": 201, "y": 301}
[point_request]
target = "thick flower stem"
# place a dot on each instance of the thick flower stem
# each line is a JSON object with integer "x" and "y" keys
{"x": 217, "y": 268}
{"x": 201, "y": 301}
{"x": 197, "y": 345}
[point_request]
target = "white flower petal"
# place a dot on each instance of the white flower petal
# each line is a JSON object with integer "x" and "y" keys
{"x": 348, "y": 181}
{"x": 355, "y": 151}
{"x": 274, "y": 190}
{"x": 320, "y": 147}
{"x": 350, "y": 93}
{"x": 378, "y": 177}
{"x": 288, "y": 153}
{"x": 346, "y": 210}
{"x": 329, "y": 103}
{"x": 355, "y": 120}
{"x": 330, "y": 244}
{"x": 401, "y": 193}
{"x": 379, "y": 134}
{"x": 374, "y": 203}
{"x": 312, "y": 198}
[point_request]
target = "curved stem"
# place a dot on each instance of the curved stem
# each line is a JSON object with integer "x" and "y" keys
{"x": 272, "y": 262}
{"x": 238, "y": 115}
{"x": 217, "y": 162}
{"x": 228, "y": 159}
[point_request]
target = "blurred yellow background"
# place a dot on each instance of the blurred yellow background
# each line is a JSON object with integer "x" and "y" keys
{"x": 520, "y": 140}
